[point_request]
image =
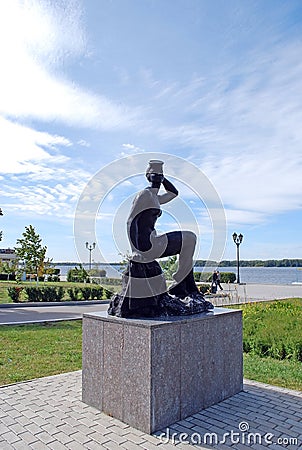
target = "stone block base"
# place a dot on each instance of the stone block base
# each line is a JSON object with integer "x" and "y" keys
{"x": 150, "y": 373}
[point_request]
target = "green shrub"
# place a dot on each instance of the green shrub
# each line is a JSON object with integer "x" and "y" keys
{"x": 53, "y": 293}
{"x": 196, "y": 276}
{"x": 204, "y": 288}
{"x": 48, "y": 294}
{"x": 86, "y": 292}
{"x": 73, "y": 293}
{"x": 169, "y": 267}
{"x": 34, "y": 294}
{"x": 14, "y": 293}
{"x": 60, "y": 292}
{"x": 206, "y": 276}
{"x": 107, "y": 293}
{"x": 96, "y": 293}
{"x": 78, "y": 275}
{"x": 227, "y": 277}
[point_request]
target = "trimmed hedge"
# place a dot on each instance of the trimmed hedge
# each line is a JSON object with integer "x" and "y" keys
{"x": 5, "y": 277}
{"x": 56, "y": 294}
{"x": 45, "y": 294}
{"x": 225, "y": 277}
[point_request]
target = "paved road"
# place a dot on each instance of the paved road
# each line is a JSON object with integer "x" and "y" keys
{"x": 254, "y": 292}
{"x": 33, "y": 314}
{"x": 233, "y": 294}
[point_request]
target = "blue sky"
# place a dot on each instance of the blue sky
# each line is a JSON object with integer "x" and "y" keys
{"x": 86, "y": 83}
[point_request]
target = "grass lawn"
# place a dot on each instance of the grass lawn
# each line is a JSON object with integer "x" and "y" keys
{"x": 284, "y": 373}
{"x": 272, "y": 342}
{"x": 32, "y": 351}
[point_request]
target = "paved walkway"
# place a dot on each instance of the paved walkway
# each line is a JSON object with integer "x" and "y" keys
{"x": 243, "y": 293}
{"x": 34, "y": 314}
{"x": 232, "y": 294}
{"x": 48, "y": 414}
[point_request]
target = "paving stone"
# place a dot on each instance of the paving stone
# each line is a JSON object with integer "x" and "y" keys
{"x": 16, "y": 428}
{"x": 92, "y": 445}
{"x": 110, "y": 445}
{"x": 74, "y": 445}
{"x": 3, "y": 428}
{"x": 99, "y": 429}
{"x": 33, "y": 428}
{"x": 8, "y": 421}
{"x": 62, "y": 437}
{"x": 265, "y": 408}
{"x": 131, "y": 446}
{"x": 150, "y": 446}
{"x": 153, "y": 439}
{"x": 10, "y": 437}
{"x": 19, "y": 445}
{"x": 134, "y": 438}
{"x": 67, "y": 429}
{"x": 28, "y": 437}
{"x": 56, "y": 445}
{"x": 80, "y": 437}
{"x": 286, "y": 431}
{"x": 6, "y": 446}
{"x": 98, "y": 437}
{"x": 112, "y": 429}
{"x": 45, "y": 437}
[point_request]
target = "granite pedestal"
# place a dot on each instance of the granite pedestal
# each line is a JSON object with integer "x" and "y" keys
{"x": 150, "y": 373}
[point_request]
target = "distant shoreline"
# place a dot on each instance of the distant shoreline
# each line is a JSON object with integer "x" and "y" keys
{"x": 204, "y": 263}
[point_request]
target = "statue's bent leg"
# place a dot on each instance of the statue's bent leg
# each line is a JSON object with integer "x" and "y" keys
{"x": 182, "y": 243}
{"x": 185, "y": 263}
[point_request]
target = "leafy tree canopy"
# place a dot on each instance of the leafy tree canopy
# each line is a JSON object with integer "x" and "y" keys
{"x": 30, "y": 250}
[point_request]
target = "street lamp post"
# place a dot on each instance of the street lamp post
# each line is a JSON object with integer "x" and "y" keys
{"x": 90, "y": 248}
{"x": 237, "y": 239}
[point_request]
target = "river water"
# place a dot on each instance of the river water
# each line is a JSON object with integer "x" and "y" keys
{"x": 261, "y": 275}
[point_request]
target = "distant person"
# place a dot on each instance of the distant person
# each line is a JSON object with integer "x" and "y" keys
{"x": 214, "y": 282}
{"x": 218, "y": 279}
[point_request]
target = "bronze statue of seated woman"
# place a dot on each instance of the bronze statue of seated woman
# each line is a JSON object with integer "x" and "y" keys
{"x": 144, "y": 292}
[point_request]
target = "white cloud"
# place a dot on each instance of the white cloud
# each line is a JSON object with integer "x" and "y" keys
{"x": 244, "y": 126}
{"x": 43, "y": 200}
{"x": 33, "y": 45}
{"x": 130, "y": 149}
{"x": 25, "y": 148}
{"x": 83, "y": 143}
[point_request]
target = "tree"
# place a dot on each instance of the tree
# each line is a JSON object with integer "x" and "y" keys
{"x": 31, "y": 251}
{"x": 169, "y": 266}
{"x": 9, "y": 268}
{"x": 78, "y": 275}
